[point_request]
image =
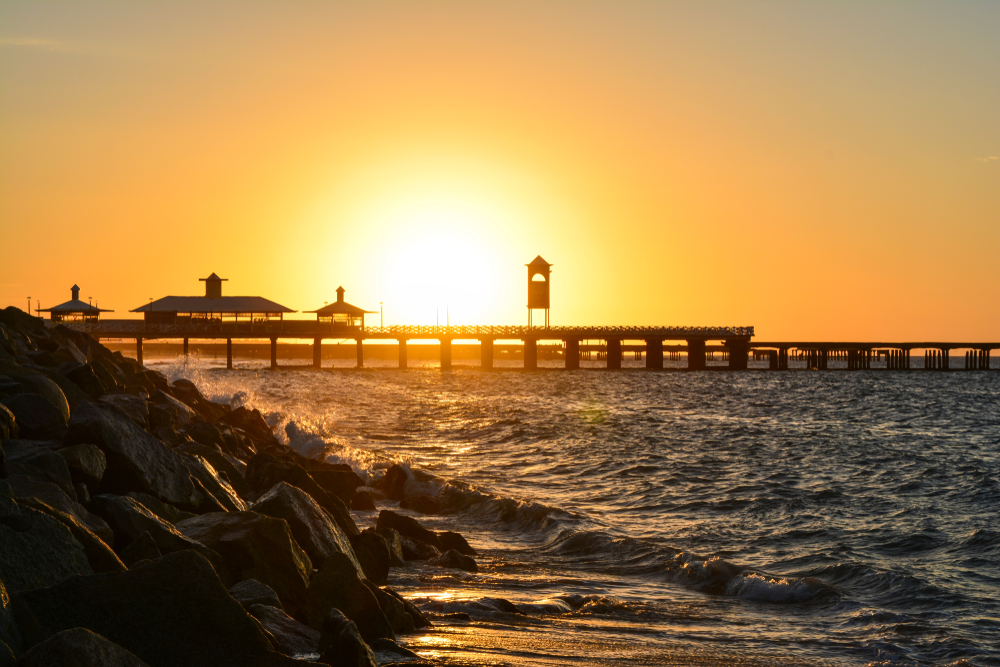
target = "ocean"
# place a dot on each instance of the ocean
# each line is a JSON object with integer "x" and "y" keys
{"x": 638, "y": 518}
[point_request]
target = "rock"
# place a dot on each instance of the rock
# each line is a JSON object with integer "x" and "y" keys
{"x": 136, "y": 461}
{"x": 165, "y": 511}
{"x": 229, "y": 469}
{"x": 250, "y": 592}
{"x": 55, "y": 497}
{"x": 165, "y": 411}
{"x": 142, "y": 548}
{"x": 393, "y": 483}
{"x": 387, "y": 646}
{"x": 9, "y": 635}
{"x": 341, "y": 644}
{"x": 8, "y": 424}
{"x": 86, "y": 463}
{"x": 7, "y": 658}
{"x": 35, "y": 382}
{"x": 393, "y": 609}
{"x": 37, "y": 418}
{"x": 268, "y": 468}
{"x": 84, "y": 377}
{"x": 395, "y": 542}
{"x": 108, "y": 372}
{"x": 133, "y": 407}
{"x": 363, "y": 502}
{"x": 422, "y": 504}
{"x": 337, "y": 585}
{"x": 74, "y": 395}
{"x": 99, "y": 554}
{"x": 413, "y": 550}
{"x": 78, "y": 647}
{"x": 38, "y": 462}
{"x": 255, "y": 546}
{"x": 372, "y": 552}
{"x": 129, "y": 520}
{"x": 408, "y": 527}
{"x": 290, "y": 637}
{"x": 171, "y": 612}
{"x": 38, "y": 550}
{"x": 82, "y": 493}
{"x": 450, "y": 540}
{"x": 252, "y": 423}
{"x": 340, "y": 483}
{"x": 419, "y": 620}
{"x": 42, "y": 358}
{"x": 186, "y": 391}
{"x": 455, "y": 560}
{"x": 208, "y": 504}
{"x": 204, "y": 472}
{"x": 311, "y": 526}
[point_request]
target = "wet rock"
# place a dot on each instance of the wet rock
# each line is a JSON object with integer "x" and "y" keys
{"x": 341, "y": 644}
{"x": 78, "y": 647}
{"x": 395, "y": 543}
{"x": 372, "y": 552}
{"x": 36, "y": 460}
{"x": 54, "y": 496}
{"x": 186, "y": 391}
{"x": 393, "y": 483}
{"x": 9, "y": 635}
{"x": 408, "y": 527}
{"x": 450, "y": 540}
{"x": 251, "y": 592}
{"x": 142, "y": 548}
{"x": 340, "y": 483}
{"x": 148, "y": 380}
{"x": 390, "y": 649}
{"x": 165, "y": 511}
{"x": 133, "y": 407}
{"x": 129, "y": 520}
{"x": 107, "y": 371}
{"x": 99, "y": 554}
{"x": 220, "y": 489}
{"x": 363, "y": 502}
{"x": 8, "y": 423}
{"x": 136, "y": 461}
{"x": 393, "y": 609}
{"x": 419, "y": 620}
{"x": 74, "y": 395}
{"x": 38, "y": 550}
{"x": 312, "y": 528}
{"x": 36, "y": 417}
{"x": 422, "y": 504}
{"x": 252, "y": 423}
{"x": 413, "y": 550}
{"x": 337, "y": 585}
{"x": 165, "y": 411}
{"x": 289, "y": 636}
{"x": 171, "y": 612}
{"x": 86, "y": 464}
{"x": 255, "y": 546}
{"x": 35, "y": 382}
{"x": 208, "y": 504}
{"x": 84, "y": 377}
{"x": 453, "y": 559}
{"x": 229, "y": 469}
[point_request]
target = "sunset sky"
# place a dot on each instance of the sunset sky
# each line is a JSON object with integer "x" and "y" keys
{"x": 818, "y": 170}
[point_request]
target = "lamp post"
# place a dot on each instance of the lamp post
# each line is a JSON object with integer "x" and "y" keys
{"x": 29, "y": 305}
{"x": 381, "y": 323}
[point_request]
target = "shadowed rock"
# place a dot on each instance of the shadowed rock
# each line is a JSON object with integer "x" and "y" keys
{"x": 341, "y": 644}
{"x": 84, "y": 377}
{"x": 393, "y": 483}
{"x": 252, "y": 423}
{"x": 455, "y": 541}
{"x": 422, "y": 504}
{"x": 133, "y": 407}
{"x": 363, "y": 502}
{"x": 8, "y": 424}
{"x": 37, "y": 461}
{"x": 142, "y": 548}
{"x": 395, "y": 543}
{"x": 36, "y": 417}
{"x": 408, "y": 527}
{"x": 414, "y": 550}
{"x": 220, "y": 489}
{"x": 255, "y": 546}
{"x": 53, "y": 496}
{"x": 393, "y": 609}
{"x": 372, "y": 552}
{"x": 337, "y": 585}
{"x": 229, "y": 469}
{"x": 250, "y": 592}
{"x": 419, "y": 620}
{"x": 38, "y": 550}
{"x": 340, "y": 483}
{"x": 453, "y": 559}
{"x": 9, "y": 635}
{"x": 165, "y": 511}
{"x": 78, "y": 647}
{"x": 289, "y": 636}
{"x": 86, "y": 464}
{"x": 35, "y": 382}
{"x": 136, "y": 461}
{"x": 99, "y": 554}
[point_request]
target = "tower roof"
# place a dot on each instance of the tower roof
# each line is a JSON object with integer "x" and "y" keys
{"x": 538, "y": 261}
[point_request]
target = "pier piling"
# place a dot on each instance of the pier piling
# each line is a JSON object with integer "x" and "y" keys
{"x": 696, "y": 355}
{"x": 530, "y": 354}
{"x": 138, "y": 349}
{"x": 318, "y": 353}
{"x": 614, "y": 354}
{"x": 654, "y": 354}
{"x": 274, "y": 354}
{"x": 572, "y": 354}
{"x": 486, "y": 354}
{"x": 361, "y": 352}
{"x": 185, "y": 347}
{"x": 445, "y": 354}
{"x": 229, "y": 354}
{"x": 402, "y": 354}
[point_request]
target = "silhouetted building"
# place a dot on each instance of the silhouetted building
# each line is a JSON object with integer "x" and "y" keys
{"x": 74, "y": 309}
{"x": 341, "y": 314}
{"x": 213, "y": 307}
{"x": 538, "y": 287}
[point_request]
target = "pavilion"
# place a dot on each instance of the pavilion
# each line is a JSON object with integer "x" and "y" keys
{"x": 74, "y": 310}
{"x": 342, "y": 315}
{"x": 212, "y": 308}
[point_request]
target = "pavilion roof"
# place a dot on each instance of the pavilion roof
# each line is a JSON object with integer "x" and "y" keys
{"x": 75, "y": 306}
{"x": 222, "y": 304}
{"x": 341, "y": 308}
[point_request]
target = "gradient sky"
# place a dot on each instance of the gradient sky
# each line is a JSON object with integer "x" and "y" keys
{"x": 817, "y": 170}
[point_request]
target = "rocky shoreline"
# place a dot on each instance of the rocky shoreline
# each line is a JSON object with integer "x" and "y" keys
{"x": 142, "y": 524}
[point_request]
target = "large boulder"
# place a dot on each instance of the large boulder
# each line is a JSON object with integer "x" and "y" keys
{"x": 37, "y": 461}
{"x": 165, "y": 411}
{"x": 252, "y": 424}
{"x": 165, "y": 511}
{"x": 8, "y": 423}
{"x": 393, "y": 483}
{"x": 362, "y": 501}
{"x": 142, "y": 548}
{"x": 250, "y": 592}
{"x": 395, "y": 542}
{"x": 171, "y": 612}
{"x": 86, "y": 464}
{"x": 136, "y": 460}
{"x": 421, "y": 504}
{"x": 186, "y": 391}
{"x": 37, "y": 550}
{"x": 36, "y": 417}
{"x": 229, "y": 469}
{"x": 288, "y": 635}
{"x": 337, "y": 585}
{"x": 451, "y": 540}
{"x": 419, "y": 620}
{"x": 394, "y": 610}
{"x": 35, "y": 382}
{"x": 455, "y": 560}
{"x": 372, "y": 552}
{"x": 312, "y": 528}
{"x": 9, "y": 635}
{"x": 100, "y": 556}
{"x": 53, "y": 496}
{"x": 341, "y": 482}
{"x": 341, "y": 644}
{"x": 78, "y": 647}
{"x": 219, "y": 488}
{"x": 84, "y": 376}
{"x": 255, "y": 546}
{"x": 129, "y": 520}
{"x": 408, "y": 527}
{"x": 133, "y": 407}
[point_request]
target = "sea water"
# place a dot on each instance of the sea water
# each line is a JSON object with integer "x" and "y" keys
{"x": 770, "y": 518}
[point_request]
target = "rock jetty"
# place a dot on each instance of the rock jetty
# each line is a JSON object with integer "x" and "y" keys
{"x": 143, "y": 524}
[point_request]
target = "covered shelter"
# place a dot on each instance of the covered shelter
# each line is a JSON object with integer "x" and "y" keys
{"x": 342, "y": 315}
{"x": 213, "y": 308}
{"x": 74, "y": 310}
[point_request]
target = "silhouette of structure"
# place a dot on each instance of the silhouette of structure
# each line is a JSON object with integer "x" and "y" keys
{"x": 343, "y": 319}
{"x": 74, "y": 310}
{"x": 539, "y": 272}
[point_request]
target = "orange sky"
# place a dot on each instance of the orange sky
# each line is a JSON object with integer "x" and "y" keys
{"x": 817, "y": 170}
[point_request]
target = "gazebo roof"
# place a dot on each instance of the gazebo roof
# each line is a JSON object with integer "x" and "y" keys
{"x": 341, "y": 307}
{"x": 75, "y": 306}
{"x": 222, "y": 304}
{"x": 538, "y": 261}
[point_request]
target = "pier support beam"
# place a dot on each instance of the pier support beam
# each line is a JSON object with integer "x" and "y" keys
{"x": 530, "y": 354}
{"x": 696, "y": 355}
{"x": 486, "y": 354}
{"x": 138, "y": 350}
{"x": 229, "y": 353}
{"x": 738, "y": 351}
{"x": 614, "y": 354}
{"x": 446, "y": 354}
{"x": 318, "y": 353}
{"x": 402, "y": 354}
{"x": 654, "y": 354}
{"x": 572, "y": 354}
{"x": 945, "y": 360}
{"x": 274, "y": 354}
{"x": 185, "y": 347}
{"x": 783, "y": 359}
{"x": 361, "y": 352}
{"x": 772, "y": 360}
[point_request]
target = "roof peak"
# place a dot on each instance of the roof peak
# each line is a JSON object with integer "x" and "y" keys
{"x": 538, "y": 260}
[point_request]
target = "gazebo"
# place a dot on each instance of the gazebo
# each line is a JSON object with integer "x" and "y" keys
{"x": 212, "y": 308}
{"x": 342, "y": 315}
{"x": 74, "y": 310}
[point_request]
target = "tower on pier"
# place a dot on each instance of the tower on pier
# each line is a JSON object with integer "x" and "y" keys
{"x": 539, "y": 272}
